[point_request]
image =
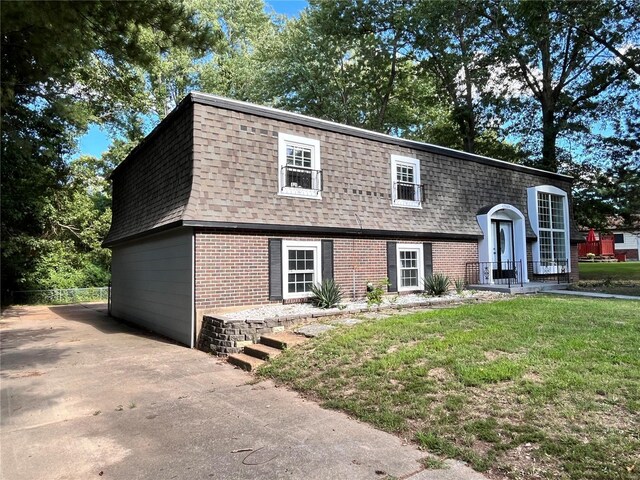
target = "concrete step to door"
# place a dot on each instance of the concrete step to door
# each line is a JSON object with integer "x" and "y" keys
{"x": 246, "y": 362}
{"x": 263, "y": 352}
{"x": 282, "y": 340}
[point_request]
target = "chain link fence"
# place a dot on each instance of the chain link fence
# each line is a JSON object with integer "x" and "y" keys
{"x": 61, "y": 296}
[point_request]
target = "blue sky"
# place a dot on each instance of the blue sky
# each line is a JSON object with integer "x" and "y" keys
{"x": 96, "y": 140}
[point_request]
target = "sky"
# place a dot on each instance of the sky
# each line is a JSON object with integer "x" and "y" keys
{"x": 97, "y": 140}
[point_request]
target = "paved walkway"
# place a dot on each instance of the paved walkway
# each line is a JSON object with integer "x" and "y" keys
{"x": 85, "y": 396}
{"x": 592, "y": 294}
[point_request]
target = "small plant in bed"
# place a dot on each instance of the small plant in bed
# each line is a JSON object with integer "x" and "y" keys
{"x": 375, "y": 292}
{"x": 459, "y": 284}
{"x": 326, "y": 295}
{"x": 436, "y": 284}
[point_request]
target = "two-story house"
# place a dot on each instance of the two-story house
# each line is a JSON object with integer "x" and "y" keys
{"x": 227, "y": 203}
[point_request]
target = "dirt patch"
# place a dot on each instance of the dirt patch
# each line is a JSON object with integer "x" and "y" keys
{"x": 524, "y": 463}
{"x": 402, "y": 346}
{"x": 32, "y": 373}
{"x": 440, "y": 374}
{"x": 532, "y": 377}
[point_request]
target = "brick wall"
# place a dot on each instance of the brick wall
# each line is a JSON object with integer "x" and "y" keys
{"x": 233, "y": 270}
{"x": 574, "y": 275}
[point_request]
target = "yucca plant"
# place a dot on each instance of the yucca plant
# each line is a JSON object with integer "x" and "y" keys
{"x": 459, "y": 284}
{"x": 436, "y": 284}
{"x": 326, "y": 295}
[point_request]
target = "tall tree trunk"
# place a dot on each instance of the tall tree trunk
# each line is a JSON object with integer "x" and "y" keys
{"x": 549, "y": 137}
{"x": 548, "y": 102}
{"x": 469, "y": 140}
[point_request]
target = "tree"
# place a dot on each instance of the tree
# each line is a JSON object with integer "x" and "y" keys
{"x": 65, "y": 64}
{"x": 545, "y": 47}
{"x": 334, "y": 63}
{"x": 607, "y": 186}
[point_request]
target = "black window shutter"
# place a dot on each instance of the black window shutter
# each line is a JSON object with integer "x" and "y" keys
{"x": 327, "y": 260}
{"x": 275, "y": 269}
{"x": 427, "y": 253}
{"x": 392, "y": 266}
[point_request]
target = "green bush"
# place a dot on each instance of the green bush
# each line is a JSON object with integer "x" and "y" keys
{"x": 436, "y": 284}
{"x": 375, "y": 292}
{"x": 459, "y": 284}
{"x": 326, "y": 295}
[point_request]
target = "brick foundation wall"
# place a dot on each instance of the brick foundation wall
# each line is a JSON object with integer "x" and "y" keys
{"x": 575, "y": 272}
{"x": 233, "y": 269}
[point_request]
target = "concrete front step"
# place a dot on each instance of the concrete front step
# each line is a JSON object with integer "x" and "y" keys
{"x": 282, "y": 340}
{"x": 263, "y": 352}
{"x": 246, "y": 362}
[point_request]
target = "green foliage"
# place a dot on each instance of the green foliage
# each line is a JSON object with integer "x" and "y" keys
{"x": 459, "y": 284}
{"x": 326, "y": 295}
{"x": 64, "y": 65}
{"x": 436, "y": 284}
{"x": 376, "y": 291}
{"x": 548, "y": 49}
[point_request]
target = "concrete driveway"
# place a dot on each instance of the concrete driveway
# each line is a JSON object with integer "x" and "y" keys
{"x": 87, "y": 396}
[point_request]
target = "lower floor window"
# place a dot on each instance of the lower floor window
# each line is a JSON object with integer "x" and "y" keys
{"x": 410, "y": 268}
{"x": 300, "y": 270}
{"x": 301, "y": 267}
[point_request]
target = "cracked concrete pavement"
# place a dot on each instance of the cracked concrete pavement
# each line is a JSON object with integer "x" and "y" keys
{"x": 84, "y": 395}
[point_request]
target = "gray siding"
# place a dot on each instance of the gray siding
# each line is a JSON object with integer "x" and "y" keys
{"x": 152, "y": 284}
{"x": 152, "y": 186}
{"x": 235, "y": 179}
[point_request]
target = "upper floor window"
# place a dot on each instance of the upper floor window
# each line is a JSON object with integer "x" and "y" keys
{"x": 300, "y": 174}
{"x": 405, "y": 181}
{"x": 549, "y": 216}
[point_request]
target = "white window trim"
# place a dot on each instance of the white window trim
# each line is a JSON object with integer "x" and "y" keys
{"x": 415, "y": 163}
{"x": 283, "y": 140}
{"x": 317, "y": 267}
{"x": 410, "y": 246}
{"x": 532, "y": 209}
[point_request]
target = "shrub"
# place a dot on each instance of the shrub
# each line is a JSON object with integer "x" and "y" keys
{"x": 436, "y": 284}
{"x": 375, "y": 292}
{"x": 459, "y": 284}
{"x": 326, "y": 295}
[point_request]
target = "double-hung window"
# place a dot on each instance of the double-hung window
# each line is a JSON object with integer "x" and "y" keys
{"x": 549, "y": 216}
{"x": 299, "y": 166}
{"x": 410, "y": 266}
{"x": 301, "y": 268}
{"x": 405, "y": 181}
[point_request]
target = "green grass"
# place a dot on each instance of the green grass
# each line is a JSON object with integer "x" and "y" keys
{"x": 535, "y": 387}
{"x": 612, "y": 271}
{"x": 619, "y": 278}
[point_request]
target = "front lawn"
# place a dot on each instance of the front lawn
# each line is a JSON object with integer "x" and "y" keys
{"x": 534, "y": 387}
{"x": 622, "y": 278}
{"x": 612, "y": 271}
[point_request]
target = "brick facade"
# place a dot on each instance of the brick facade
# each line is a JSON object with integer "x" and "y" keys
{"x": 233, "y": 269}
